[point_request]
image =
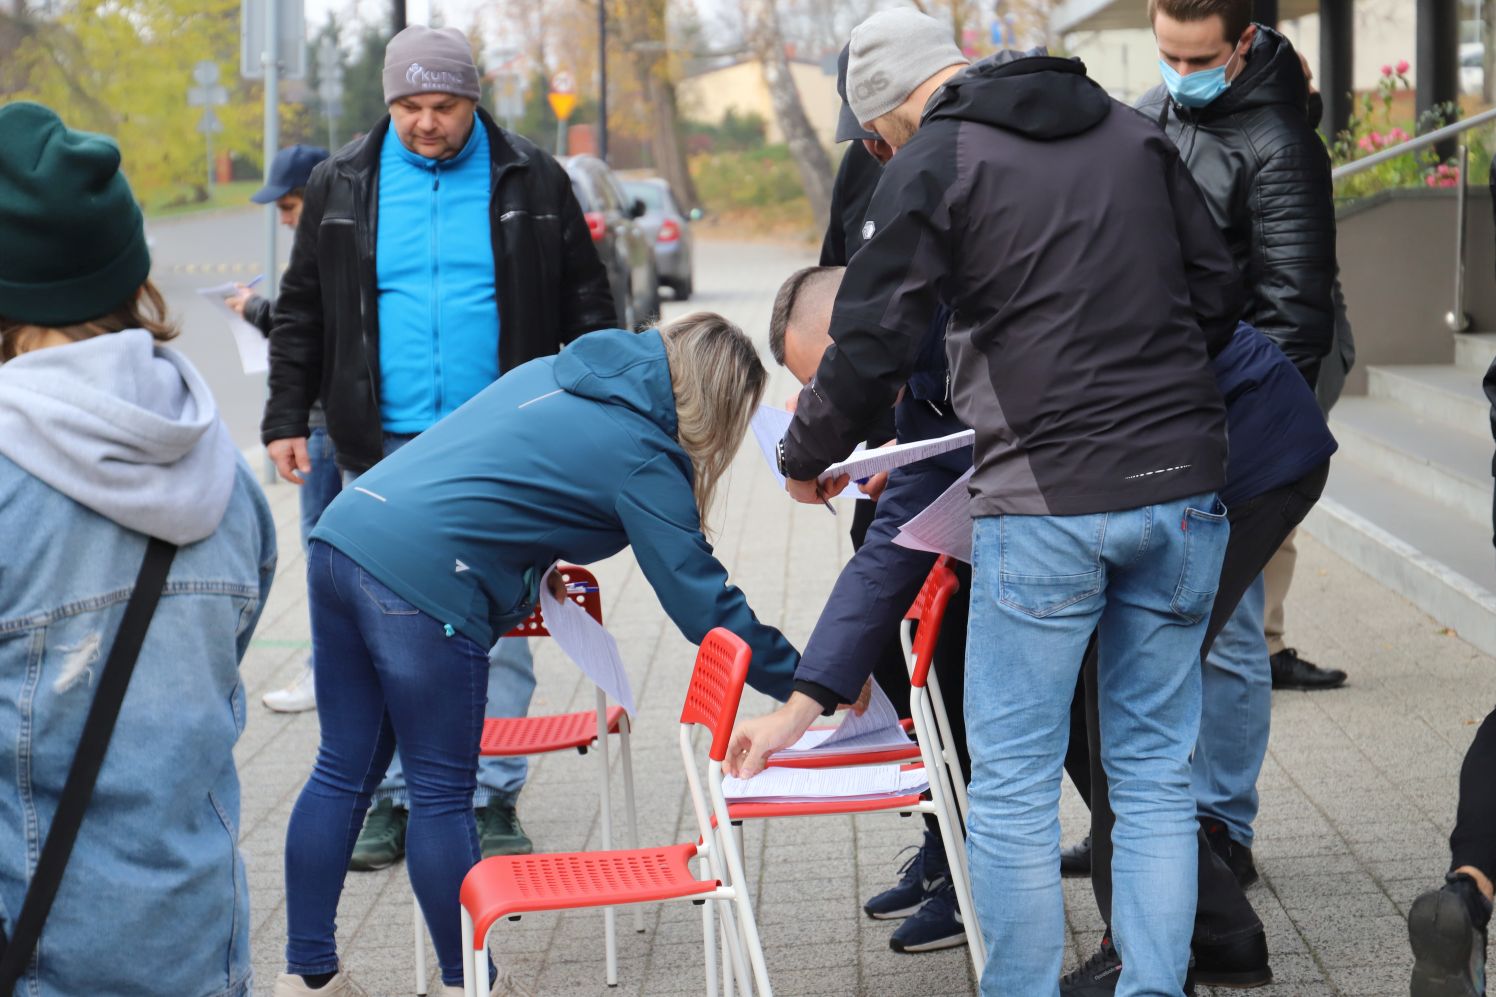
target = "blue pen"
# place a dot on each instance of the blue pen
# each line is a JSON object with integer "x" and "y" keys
{"x": 255, "y": 281}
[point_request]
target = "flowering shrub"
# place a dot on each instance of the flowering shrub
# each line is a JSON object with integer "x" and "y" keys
{"x": 1372, "y": 129}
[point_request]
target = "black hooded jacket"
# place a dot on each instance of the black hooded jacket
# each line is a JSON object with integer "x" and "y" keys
{"x": 1266, "y": 176}
{"x": 1088, "y": 285}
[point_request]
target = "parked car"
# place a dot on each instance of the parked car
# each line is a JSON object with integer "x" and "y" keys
{"x": 669, "y": 228}
{"x": 626, "y": 251}
{"x": 1472, "y": 67}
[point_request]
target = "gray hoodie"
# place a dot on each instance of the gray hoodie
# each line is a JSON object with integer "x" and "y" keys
{"x": 124, "y": 427}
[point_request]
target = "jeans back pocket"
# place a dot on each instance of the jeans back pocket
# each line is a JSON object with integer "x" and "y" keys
{"x": 1205, "y": 537}
{"x": 388, "y": 602}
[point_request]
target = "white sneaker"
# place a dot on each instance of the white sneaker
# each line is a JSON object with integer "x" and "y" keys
{"x": 290, "y": 985}
{"x": 298, "y": 697}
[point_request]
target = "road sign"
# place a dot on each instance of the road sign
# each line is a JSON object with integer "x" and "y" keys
{"x": 209, "y": 124}
{"x": 208, "y": 95}
{"x": 509, "y": 97}
{"x": 205, "y": 72}
{"x": 290, "y": 27}
{"x": 563, "y": 95}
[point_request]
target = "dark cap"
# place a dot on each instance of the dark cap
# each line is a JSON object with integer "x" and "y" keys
{"x": 290, "y": 170}
{"x": 847, "y": 125}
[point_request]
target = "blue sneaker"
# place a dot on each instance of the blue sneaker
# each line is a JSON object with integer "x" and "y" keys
{"x": 921, "y": 874}
{"x": 936, "y": 925}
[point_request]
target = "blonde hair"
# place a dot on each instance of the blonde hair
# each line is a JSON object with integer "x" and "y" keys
{"x": 146, "y": 310}
{"x": 718, "y": 380}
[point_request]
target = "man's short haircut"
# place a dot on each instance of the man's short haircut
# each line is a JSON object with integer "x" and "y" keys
{"x": 1236, "y": 15}
{"x": 787, "y": 303}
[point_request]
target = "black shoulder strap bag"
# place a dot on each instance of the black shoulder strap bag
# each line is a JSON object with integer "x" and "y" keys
{"x": 16, "y": 950}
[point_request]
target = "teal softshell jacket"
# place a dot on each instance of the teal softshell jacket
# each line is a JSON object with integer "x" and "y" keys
{"x": 568, "y": 458}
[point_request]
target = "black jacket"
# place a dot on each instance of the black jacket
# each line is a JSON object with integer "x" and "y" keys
{"x": 1089, "y": 286}
{"x": 856, "y": 179}
{"x": 551, "y": 286}
{"x": 1266, "y": 176}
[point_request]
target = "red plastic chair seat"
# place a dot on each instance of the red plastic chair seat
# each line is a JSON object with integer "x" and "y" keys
{"x": 541, "y": 735}
{"x": 520, "y": 884}
{"x": 821, "y": 808}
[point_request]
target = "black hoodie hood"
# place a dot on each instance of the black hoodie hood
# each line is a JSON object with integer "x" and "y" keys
{"x": 1273, "y": 75}
{"x": 1041, "y": 97}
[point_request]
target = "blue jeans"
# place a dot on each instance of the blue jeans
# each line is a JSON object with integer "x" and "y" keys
{"x": 1238, "y": 701}
{"x": 387, "y": 674}
{"x": 511, "y": 683}
{"x": 321, "y": 486}
{"x": 1144, "y": 579}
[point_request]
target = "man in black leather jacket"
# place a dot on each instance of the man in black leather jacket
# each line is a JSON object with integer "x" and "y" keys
{"x": 550, "y": 286}
{"x": 1264, "y": 172}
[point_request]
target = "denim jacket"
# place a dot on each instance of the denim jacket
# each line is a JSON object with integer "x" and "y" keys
{"x": 154, "y": 900}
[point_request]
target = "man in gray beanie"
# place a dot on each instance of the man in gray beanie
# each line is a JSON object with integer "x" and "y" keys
{"x": 432, "y": 255}
{"x": 1086, "y": 303}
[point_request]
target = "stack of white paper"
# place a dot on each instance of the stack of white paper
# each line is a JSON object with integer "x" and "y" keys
{"x": 875, "y": 461}
{"x": 769, "y": 425}
{"x": 866, "y": 782}
{"x": 586, "y": 643}
{"x": 877, "y": 727}
{"x": 943, "y": 526}
{"x": 254, "y": 348}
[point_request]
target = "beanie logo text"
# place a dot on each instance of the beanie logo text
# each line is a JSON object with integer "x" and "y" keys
{"x": 419, "y": 75}
{"x": 874, "y": 84}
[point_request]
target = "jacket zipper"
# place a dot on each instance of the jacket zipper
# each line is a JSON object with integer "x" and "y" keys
{"x": 436, "y": 329}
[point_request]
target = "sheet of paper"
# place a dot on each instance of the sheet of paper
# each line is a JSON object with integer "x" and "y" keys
{"x": 943, "y": 526}
{"x": 866, "y": 782}
{"x": 877, "y": 727}
{"x": 588, "y": 644}
{"x": 769, "y": 424}
{"x": 254, "y": 348}
{"x": 870, "y": 462}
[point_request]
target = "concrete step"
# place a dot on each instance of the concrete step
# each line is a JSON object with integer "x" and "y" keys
{"x": 1474, "y": 350}
{"x": 1429, "y": 458}
{"x": 1441, "y": 392}
{"x": 1426, "y": 551}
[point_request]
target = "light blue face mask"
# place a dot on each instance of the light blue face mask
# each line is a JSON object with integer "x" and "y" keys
{"x": 1196, "y": 89}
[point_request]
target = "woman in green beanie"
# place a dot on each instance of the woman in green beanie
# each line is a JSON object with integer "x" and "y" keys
{"x": 108, "y": 437}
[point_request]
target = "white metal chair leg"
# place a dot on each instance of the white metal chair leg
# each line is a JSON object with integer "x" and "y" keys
{"x": 469, "y": 977}
{"x": 624, "y": 733}
{"x": 948, "y": 745}
{"x": 610, "y": 914}
{"x": 420, "y": 930}
{"x": 955, "y": 849}
{"x": 709, "y": 943}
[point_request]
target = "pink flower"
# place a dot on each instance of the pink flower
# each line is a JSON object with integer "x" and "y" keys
{"x": 1397, "y": 135}
{"x": 1431, "y": 181}
{"x": 1365, "y": 143}
{"x": 1377, "y": 139}
{"x": 1402, "y": 68}
{"x": 1386, "y": 70}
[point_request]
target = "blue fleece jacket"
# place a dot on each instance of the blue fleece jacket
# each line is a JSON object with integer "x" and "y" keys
{"x": 569, "y": 458}
{"x": 438, "y": 310}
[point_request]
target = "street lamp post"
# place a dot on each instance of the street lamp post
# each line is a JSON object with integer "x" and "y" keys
{"x": 399, "y": 17}
{"x": 602, "y": 80}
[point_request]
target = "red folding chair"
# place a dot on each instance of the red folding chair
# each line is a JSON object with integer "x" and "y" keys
{"x": 540, "y": 735}
{"x": 511, "y": 885}
{"x": 942, "y": 767}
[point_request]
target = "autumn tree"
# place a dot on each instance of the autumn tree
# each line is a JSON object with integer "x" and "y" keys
{"x": 761, "y": 22}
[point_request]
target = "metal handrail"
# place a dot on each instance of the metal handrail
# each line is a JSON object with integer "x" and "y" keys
{"x": 1414, "y": 144}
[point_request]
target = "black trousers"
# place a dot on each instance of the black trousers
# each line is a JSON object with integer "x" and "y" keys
{"x": 1258, "y": 528}
{"x": 1473, "y": 842}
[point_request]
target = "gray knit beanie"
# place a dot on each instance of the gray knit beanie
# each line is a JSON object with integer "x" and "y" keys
{"x": 429, "y": 60}
{"x": 892, "y": 53}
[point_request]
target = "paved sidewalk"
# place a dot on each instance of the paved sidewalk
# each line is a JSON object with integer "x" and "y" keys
{"x": 1357, "y": 794}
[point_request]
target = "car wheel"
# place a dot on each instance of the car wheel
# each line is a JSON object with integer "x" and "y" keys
{"x": 683, "y": 289}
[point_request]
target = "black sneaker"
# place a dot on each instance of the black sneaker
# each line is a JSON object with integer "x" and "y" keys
{"x": 1447, "y": 930}
{"x": 1238, "y": 857}
{"x": 1076, "y": 860}
{"x": 1098, "y": 975}
{"x": 1239, "y": 964}
{"x": 919, "y": 877}
{"x": 381, "y": 843}
{"x": 499, "y": 831}
{"x": 1293, "y": 672}
{"x": 936, "y": 925}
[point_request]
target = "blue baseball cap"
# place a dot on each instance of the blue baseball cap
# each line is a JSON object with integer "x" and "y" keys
{"x": 290, "y": 170}
{"x": 847, "y": 125}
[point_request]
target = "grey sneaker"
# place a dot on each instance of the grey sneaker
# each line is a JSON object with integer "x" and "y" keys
{"x": 342, "y": 985}
{"x": 500, "y": 833}
{"x": 382, "y": 841}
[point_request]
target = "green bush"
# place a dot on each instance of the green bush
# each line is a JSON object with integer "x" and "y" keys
{"x": 762, "y": 185}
